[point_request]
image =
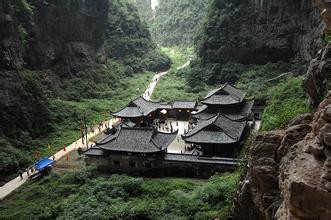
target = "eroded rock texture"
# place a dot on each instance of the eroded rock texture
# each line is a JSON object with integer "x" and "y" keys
{"x": 318, "y": 75}
{"x": 289, "y": 171}
{"x": 261, "y": 31}
{"x": 60, "y": 34}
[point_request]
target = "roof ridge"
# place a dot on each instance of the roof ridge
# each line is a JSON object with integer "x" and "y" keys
{"x": 155, "y": 144}
{"x": 227, "y": 133}
{"x": 216, "y": 90}
{"x": 211, "y": 119}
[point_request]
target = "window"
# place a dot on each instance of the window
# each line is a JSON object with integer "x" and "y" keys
{"x": 148, "y": 164}
{"x": 117, "y": 163}
{"x": 132, "y": 164}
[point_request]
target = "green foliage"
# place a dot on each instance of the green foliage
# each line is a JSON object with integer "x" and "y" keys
{"x": 287, "y": 100}
{"x": 129, "y": 40}
{"x": 173, "y": 85}
{"x": 178, "y": 55}
{"x": 175, "y": 22}
{"x": 328, "y": 36}
{"x": 121, "y": 197}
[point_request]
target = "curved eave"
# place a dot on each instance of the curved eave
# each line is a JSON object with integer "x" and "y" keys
{"x": 202, "y": 142}
{"x": 127, "y": 116}
{"x": 214, "y": 104}
{"x": 131, "y": 151}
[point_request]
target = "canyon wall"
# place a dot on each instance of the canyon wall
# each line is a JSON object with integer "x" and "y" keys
{"x": 289, "y": 171}
{"x": 259, "y": 31}
{"x": 57, "y": 34}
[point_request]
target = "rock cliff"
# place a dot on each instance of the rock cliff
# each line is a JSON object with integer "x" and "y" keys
{"x": 289, "y": 171}
{"x": 318, "y": 74}
{"x": 57, "y": 34}
{"x": 259, "y": 31}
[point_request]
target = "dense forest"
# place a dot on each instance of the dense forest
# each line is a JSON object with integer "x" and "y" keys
{"x": 173, "y": 23}
{"x": 47, "y": 89}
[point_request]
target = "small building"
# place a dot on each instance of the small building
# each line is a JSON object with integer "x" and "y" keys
{"x": 227, "y": 100}
{"x": 217, "y": 136}
{"x": 139, "y": 111}
{"x": 181, "y": 110}
{"x": 143, "y": 151}
{"x": 143, "y": 112}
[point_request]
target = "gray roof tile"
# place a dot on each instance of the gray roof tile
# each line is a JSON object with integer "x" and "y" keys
{"x": 225, "y": 95}
{"x": 219, "y": 129}
{"x": 138, "y": 140}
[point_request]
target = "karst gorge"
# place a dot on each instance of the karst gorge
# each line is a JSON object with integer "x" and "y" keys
{"x": 165, "y": 109}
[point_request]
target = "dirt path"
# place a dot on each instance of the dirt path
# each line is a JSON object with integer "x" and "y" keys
{"x": 17, "y": 182}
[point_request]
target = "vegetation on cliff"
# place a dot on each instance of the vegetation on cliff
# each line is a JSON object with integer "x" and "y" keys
{"x": 173, "y": 23}
{"x": 45, "y": 105}
{"x": 129, "y": 40}
{"x": 286, "y": 100}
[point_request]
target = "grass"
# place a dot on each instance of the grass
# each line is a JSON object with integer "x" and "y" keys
{"x": 173, "y": 85}
{"x": 178, "y": 55}
{"x": 286, "y": 100}
{"x": 68, "y": 114}
{"x": 80, "y": 195}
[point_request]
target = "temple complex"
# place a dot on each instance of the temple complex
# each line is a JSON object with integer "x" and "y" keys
{"x": 207, "y": 136}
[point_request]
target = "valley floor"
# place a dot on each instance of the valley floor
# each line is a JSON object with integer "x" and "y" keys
{"x": 64, "y": 191}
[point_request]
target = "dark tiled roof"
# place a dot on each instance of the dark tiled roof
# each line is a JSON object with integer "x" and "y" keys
{"x": 217, "y": 130}
{"x": 184, "y": 105}
{"x": 225, "y": 95}
{"x": 200, "y": 108}
{"x": 138, "y": 108}
{"x": 129, "y": 124}
{"x": 166, "y": 106}
{"x": 95, "y": 151}
{"x": 138, "y": 140}
{"x": 236, "y": 113}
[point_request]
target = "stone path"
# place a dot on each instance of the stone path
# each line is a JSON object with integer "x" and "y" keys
{"x": 150, "y": 89}
{"x": 17, "y": 182}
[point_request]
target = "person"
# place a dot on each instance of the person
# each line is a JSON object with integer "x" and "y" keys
{"x": 27, "y": 171}
{"x": 21, "y": 174}
{"x": 53, "y": 157}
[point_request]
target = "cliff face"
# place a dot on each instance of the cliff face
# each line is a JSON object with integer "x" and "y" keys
{"x": 57, "y": 34}
{"x": 10, "y": 43}
{"x": 259, "y": 31}
{"x": 318, "y": 74}
{"x": 289, "y": 171}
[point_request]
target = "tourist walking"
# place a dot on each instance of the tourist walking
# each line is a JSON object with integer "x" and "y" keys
{"x": 21, "y": 174}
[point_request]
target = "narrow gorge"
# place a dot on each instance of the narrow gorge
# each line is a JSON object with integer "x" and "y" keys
{"x": 69, "y": 66}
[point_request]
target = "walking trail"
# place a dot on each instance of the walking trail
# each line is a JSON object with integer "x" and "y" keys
{"x": 17, "y": 182}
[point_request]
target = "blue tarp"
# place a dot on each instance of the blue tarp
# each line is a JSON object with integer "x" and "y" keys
{"x": 43, "y": 163}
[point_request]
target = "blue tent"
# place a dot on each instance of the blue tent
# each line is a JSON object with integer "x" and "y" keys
{"x": 43, "y": 163}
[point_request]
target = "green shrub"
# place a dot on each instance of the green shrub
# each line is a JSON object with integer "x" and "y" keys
{"x": 287, "y": 100}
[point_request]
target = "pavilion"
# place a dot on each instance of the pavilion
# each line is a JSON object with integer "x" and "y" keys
{"x": 220, "y": 120}
{"x": 143, "y": 112}
{"x": 227, "y": 100}
{"x": 218, "y": 135}
{"x": 143, "y": 151}
{"x": 130, "y": 148}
